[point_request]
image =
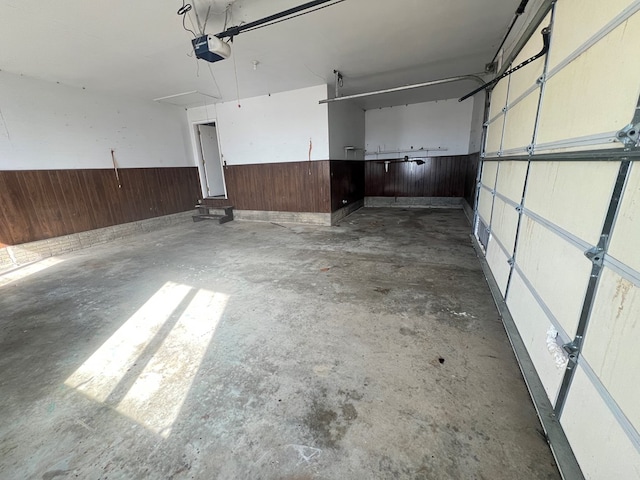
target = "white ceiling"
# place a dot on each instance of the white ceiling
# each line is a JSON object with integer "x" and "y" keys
{"x": 139, "y": 48}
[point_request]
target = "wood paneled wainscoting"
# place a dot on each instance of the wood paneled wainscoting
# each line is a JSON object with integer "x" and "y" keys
{"x": 437, "y": 177}
{"x": 470, "y": 179}
{"x": 347, "y": 183}
{"x": 439, "y": 181}
{"x": 296, "y": 191}
{"x": 279, "y": 187}
{"x": 41, "y": 204}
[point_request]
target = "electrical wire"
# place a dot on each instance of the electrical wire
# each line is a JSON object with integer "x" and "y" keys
{"x": 187, "y": 7}
{"x": 214, "y": 80}
{"x": 235, "y": 70}
{"x": 182, "y": 11}
{"x": 294, "y": 16}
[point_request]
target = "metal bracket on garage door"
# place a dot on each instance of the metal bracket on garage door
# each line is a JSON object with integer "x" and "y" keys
{"x": 596, "y": 254}
{"x": 573, "y": 349}
{"x": 630, "y": 135}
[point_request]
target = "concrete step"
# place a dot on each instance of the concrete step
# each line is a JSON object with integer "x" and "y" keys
{"x": 215, "y": 202}
{"x": 222, "y": 214}
{"x": 222, "y": 210}
{"x": 220, "y": 218}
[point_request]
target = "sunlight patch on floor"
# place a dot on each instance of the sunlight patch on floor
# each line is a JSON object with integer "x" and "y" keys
{"x": 101, "y": 373}
{"x": 23, "y": 272}
{"x": 157, "y": 394}
{"x": 155, "y": 399}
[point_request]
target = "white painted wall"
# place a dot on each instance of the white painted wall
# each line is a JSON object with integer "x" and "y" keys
{"x": 346, "y": 128}
{"x": 444, "y": 125}
{"x": 270, "y": 128}
{"x": 50, "y": 126}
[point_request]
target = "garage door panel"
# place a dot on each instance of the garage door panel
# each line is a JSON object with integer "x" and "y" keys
{"x": 504, "y": 223}
{"x": 558, "y": 271}
{"x": 498, "y": 263}
{"x": 597, "y": 107}
{"x": 611, "y": 343}
{"x": 485, "y": 201}
{"x": 518, "y": 132}
{"x": 533, "y": 325}
{"x": 626, "y": 234}
{"x": 573, "y": 195}
{"x": 580, "y": 19}
{"x": 494, "y": 130}
{"x": 498, "y": 97}
{"x": 599, "y": 443}
{"x": 489, "y": 172}
{"x": 494, "y": 136}
{"x": 511, "y": 179}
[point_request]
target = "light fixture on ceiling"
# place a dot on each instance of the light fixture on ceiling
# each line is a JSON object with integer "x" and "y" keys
{"x": 188, "y": 99}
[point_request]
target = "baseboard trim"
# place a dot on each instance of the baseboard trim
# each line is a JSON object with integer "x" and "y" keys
{"x": 414, "y": 202}
{"x": 22, "y": 254}
{"x": 468, "y": 211}
{"x": 307, "y": 218}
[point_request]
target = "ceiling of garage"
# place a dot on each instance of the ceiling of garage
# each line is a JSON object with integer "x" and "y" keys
{"x": 140, "y": 49}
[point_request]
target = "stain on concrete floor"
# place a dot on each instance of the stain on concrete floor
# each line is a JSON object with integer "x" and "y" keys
{"x": 368, "y": 350}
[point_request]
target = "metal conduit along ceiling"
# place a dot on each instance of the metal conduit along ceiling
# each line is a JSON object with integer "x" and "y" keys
{"x": 141, "y": 50}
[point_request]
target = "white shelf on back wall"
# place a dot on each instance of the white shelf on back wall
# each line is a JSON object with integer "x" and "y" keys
{"x": 355, "y": 150}
{"x": 411, "y": 153}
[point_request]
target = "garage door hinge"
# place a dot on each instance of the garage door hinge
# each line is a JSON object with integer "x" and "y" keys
{"x": 573, "y": 350}
{"x": 511, "y": 261}
{"x": 596, "y": 255}
{"x": 519, "y": 208}
{"x": 629, "y": 135}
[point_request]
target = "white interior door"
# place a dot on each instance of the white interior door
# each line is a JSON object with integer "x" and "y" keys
{"x": 211, "y": 160}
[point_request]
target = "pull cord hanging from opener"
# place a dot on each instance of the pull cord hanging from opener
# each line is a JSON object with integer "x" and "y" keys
{"x": 546, "y": 34}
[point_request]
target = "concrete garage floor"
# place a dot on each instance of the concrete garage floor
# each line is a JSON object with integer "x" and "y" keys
{"x": 259, "y": 351}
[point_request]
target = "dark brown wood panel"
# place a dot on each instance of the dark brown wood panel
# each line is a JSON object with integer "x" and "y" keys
{"x": 437, "y": 177}
{"x": 470, "y": 179}
{"x": 280, "y": 187}
{"x": 347, "y": 182}
{"x": 39, "y": 204}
